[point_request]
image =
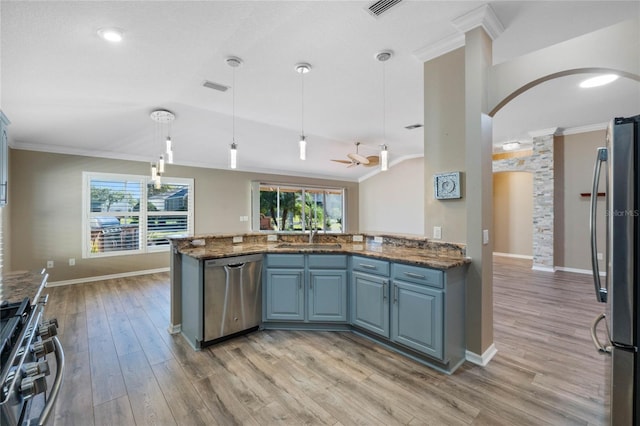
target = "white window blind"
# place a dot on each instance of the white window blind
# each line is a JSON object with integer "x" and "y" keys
{"x": 126, "y": 214}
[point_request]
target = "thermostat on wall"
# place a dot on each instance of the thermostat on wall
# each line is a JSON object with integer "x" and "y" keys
{"x": 446, "y": 185}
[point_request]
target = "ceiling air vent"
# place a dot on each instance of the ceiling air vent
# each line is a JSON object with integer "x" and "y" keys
{"x": 215, "y": 86}
{"x": 382, "y": 6}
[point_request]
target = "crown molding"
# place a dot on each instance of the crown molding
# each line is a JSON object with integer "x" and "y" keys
{"x": 483, "y": 16}
{"x": 584, "y": 129}
{"x": 543, "y": 132}
{"x": 440, "y": 47}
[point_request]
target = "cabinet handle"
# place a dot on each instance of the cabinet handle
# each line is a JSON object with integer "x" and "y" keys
{"x": 300, "y": 281}
{"x": 395, "y": 293}
{"x": 412, "y": 275}
{"x": 384, "y": 290}
{"x": 367, "y": 266}
{"x": 3, "y": 193}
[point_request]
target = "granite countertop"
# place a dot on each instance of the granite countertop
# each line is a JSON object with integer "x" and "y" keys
{"x": 395, "y": 253}
{"x": 15, "y": 286}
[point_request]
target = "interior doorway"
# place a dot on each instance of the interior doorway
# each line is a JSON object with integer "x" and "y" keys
{"x": 513, "y": 214}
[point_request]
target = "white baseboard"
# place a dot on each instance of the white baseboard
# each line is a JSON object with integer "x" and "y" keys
{"x": 483, "y": 359}
{"x": 543, "y": 268}
{"x": 579, "y": 271}
{"x": 107, "y": 277}
{"x": 515, "y": 256}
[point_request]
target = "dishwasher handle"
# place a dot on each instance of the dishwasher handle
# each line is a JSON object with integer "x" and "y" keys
{"x": 235, "y": 265}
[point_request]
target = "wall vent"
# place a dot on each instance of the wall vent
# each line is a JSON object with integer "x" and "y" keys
{"x": 382, "y": 6}
{"x": 215, "y": 86}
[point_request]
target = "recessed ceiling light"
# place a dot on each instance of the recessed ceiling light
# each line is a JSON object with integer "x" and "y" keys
{"x": 113, "y": 35}
{"x": 599, "y": 80}
{"x": 510, "y": 146}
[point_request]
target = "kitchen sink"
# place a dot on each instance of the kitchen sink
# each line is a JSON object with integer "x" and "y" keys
{"x": 310, "y": 246}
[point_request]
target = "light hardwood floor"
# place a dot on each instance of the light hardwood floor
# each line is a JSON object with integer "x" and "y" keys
{"x": 124, "y": 368}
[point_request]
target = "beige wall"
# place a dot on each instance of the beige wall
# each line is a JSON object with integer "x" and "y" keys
{"x": 393, "y": 201}
{"x": 46, "y": 210}
{"x": 513, "y": 213}
{"x": 578, "y": 153}
{"x": 444, "y": 143}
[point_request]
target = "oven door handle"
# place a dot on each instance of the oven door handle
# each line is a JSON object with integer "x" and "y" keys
{"x": 57, "y": 382}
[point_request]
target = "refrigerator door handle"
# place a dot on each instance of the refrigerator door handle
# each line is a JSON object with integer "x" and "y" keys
{"x": 601, "y": 292}
{"x": 594, "y": 336}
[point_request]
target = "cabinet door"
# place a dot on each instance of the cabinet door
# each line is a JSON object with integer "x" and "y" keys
{"x": 370, "y": 303}
{"x": 327, "y": 296}
{"x": 285, "y": 294}
{"x": 417, "y": 317}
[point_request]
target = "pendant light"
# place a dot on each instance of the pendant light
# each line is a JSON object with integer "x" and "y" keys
{"x": 302, "y": 69}
{"x": 163, "y": 120}
{"x": 234, "y": 62}
{"x": 383, "y": 57}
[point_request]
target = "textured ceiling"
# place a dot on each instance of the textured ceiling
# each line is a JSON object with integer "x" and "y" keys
{"x": 66, "y": 90}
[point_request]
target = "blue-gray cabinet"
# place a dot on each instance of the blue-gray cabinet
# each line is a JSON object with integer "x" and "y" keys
{"x": 306, "y": 288}
{"x": 370, "y": 295}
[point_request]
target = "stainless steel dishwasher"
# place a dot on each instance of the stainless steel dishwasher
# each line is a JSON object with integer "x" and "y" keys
{"x": 232, "y": 296}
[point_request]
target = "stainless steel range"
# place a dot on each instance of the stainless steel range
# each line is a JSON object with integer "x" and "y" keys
{"x": 25, "y": 340}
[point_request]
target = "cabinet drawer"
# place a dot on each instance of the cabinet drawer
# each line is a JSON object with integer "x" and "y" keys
{"x": 327, "y": 261}
{"x": 418, "y": 275}
{"x": 285, "y": 261}
{"x": 371, "y": 266}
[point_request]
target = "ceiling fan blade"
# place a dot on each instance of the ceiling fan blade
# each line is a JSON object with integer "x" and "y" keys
{"x": 374, "y": 160}
{"x": 343, "y": 161}
{"x": 358, "y": 158}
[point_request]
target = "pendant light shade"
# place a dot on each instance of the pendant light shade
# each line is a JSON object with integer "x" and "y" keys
{"x": 303, "y": 148}
{"x": 384, "y": 159}
{"x": 169, "y": 150}
{"x": 234, "y": 62}
{"x": 233, "y": 156}
{"x": 302, "y": 69}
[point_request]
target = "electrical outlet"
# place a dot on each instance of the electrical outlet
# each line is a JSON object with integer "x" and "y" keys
{"x": 237, "y": 239}
{"x": 600, "y": 256}
{"x": 437, "y": 232}
{"x": 49, "y": 263}
{"x": 272, "y": 237}
{"x": 357, "y": 238}
{"x": 72, "y": 261}
{"x": 377, "y": 240}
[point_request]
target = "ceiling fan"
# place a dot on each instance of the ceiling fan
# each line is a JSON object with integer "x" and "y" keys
{"x": 355, "y": 159}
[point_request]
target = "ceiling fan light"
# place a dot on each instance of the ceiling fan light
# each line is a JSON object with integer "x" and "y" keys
{"x": 384, "y": 158}
{"x": 303, "y": 148}
{"x": 233, "y": 156}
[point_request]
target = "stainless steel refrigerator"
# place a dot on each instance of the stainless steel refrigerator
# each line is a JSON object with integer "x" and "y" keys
{"x": 619, "y": 165}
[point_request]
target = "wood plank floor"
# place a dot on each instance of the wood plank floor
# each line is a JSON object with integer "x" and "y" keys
{"x": 124, "y": 368}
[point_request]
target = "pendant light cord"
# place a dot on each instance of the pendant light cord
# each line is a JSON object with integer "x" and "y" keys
{"x": 233, "y": 107}
{"x": 384, "y": 103}
{"x": 302, "y": 103}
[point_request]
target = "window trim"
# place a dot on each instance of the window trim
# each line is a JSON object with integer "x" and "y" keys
{"x": 255, "y": 204}
{"x": 141, "y": 214}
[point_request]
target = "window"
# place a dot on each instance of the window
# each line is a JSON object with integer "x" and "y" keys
{"x": 114, "y": 222}
{"x": 291, "y": 208}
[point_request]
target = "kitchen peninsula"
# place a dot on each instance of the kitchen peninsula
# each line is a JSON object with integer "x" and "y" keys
{"x": 406, "y": 293}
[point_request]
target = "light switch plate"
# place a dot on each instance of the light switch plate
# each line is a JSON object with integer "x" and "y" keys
{"x": 437, "y": 232}
{"x": 237, "y": 239}
{"x": 485, "y": 236}
{"x": 357, "y": 238}
{"x": 272, "y": 237}
{"x": 377, "y": 240}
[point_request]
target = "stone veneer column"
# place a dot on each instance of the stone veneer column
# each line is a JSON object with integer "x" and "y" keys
{"x": 543, "y": 191}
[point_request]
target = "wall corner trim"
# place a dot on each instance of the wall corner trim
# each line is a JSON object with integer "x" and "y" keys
{"x": 482, "y": 360}
{"x": 543, "y": 268}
